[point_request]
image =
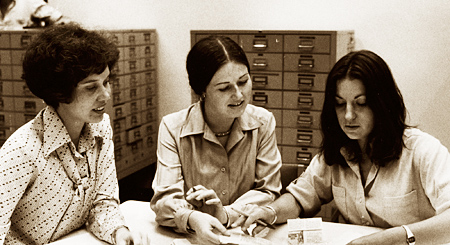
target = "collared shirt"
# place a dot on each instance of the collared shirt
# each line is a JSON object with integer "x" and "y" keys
{"x": 48, "y": 188}
{"x": 19, "y": 13}
{"x": 411, "y": 189}
{"x": 246, "y": 170}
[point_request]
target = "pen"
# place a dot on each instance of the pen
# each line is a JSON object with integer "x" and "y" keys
{"x": 257, "y": 221}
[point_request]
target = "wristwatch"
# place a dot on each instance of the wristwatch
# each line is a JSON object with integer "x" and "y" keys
{"x": 410, "y": 239}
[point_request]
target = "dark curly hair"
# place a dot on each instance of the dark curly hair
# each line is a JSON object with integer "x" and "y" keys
{"x": 385, "y": 142}
{"x": 62, "y": 56}
{"x": 207, "y": 56}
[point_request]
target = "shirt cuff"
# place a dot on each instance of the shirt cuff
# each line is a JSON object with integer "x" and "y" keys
{"x": 181, "y": 219}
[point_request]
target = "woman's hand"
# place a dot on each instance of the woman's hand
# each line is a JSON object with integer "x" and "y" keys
{"x": 255, "y": 212}
{"x": 125, "y": 237}
{"x": 206, "y": 227}
{"x": 207, "y": 201}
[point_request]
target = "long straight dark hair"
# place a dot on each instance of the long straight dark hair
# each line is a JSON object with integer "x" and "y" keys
{"x": 385, "y": 142}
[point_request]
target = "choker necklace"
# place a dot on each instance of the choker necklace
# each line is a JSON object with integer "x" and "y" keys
{"x": 222, "y": 134}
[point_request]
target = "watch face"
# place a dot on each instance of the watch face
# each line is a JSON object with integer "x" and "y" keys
{"x": 411, "y": 239}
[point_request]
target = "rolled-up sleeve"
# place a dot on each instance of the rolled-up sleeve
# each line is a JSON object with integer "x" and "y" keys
{"x": 313, "y": 187}
{"x": 168, "y": 201}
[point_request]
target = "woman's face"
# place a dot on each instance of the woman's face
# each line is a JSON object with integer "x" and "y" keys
{"x": 229, "y": 92}
{"x": 354, "y": 115}
{"x": 89, "y": 100}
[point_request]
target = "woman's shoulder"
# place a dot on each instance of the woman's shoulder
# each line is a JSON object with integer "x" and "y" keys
{"x": 259, "y": 113}
{"x": 416, "y": 138}
{"x": 179, "y": 118}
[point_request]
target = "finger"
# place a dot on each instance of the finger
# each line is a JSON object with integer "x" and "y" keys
{"x": 250, "y": 220}
{"x": 146, "y": 240}
{"x": 206, "y": 195}
{"x": 260, "y": 231}
{"x": 240, "y": 220}
{"x": 214, "y": 201}
{"x": 136, "y": 239}
{"x": 219, "y": 227}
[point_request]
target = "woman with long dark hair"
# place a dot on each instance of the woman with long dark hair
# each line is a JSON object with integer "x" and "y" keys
{"x": 378, "y": 170}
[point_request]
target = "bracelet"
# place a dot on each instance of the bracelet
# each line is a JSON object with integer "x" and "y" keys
{"x": 274, "y": 212}
{"x": 113, "y": 234}
{"x": 228, "y": 217}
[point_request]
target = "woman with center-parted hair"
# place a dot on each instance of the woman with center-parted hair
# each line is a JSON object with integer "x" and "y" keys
{"x": 378, "y": 170}
{"x": 218, "y": 154}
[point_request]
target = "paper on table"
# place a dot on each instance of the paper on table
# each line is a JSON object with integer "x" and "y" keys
{"x": 243, "y": 240}
{"x": 234, "y": 238}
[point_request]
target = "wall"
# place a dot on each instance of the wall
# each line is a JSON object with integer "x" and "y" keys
{"x": 410, "y": 35}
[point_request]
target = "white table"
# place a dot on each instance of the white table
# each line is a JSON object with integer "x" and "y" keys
{"x": 139, "y": 216}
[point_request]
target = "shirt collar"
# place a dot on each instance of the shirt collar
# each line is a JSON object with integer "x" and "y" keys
{"x": 56, "y": 134}
{"x": 195, "y": 122}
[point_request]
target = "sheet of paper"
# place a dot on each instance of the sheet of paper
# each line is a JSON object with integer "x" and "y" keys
{"x": 242, "y": 239}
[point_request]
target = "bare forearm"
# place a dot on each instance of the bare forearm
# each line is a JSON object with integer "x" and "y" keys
{"x": 286, "y": 208}
{"x": 430, "y": 231}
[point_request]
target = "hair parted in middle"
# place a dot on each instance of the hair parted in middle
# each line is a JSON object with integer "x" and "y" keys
{"x": 385, "y": 142}
{"x": 207, "y": 56}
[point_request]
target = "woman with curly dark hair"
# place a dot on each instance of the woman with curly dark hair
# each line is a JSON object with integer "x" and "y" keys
{"x": 378, "y": 170}
{"x": 58, "y": 170}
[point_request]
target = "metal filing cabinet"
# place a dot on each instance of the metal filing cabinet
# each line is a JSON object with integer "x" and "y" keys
{"x": 289, "y": 71}
{"x": 132, "y": 109}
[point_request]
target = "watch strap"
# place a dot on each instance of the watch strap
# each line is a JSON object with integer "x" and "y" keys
{"x": 410, "y": 238}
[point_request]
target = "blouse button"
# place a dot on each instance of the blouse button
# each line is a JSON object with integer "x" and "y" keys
{"x": 223, "y": 170}
{"x": 224, "y": 192}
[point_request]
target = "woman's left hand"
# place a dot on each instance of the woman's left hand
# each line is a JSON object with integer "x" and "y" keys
{"x": 126, "y": 237}
{"x": 206, "y": 200}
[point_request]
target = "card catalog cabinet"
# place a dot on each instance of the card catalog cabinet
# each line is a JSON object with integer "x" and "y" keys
{"x": 289, "y": 71}
{"x": 132, "y": 108}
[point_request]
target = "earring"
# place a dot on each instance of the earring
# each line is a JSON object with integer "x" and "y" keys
{"x": 202, "y": 97}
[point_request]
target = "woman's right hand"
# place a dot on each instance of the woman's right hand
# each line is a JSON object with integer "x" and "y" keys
{"x": 206, "y": 227}
{"x": 207, "y": 201}
{"x": 255, "y": 212}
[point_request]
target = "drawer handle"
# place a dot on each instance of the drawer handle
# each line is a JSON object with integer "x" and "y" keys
{"x": 306, "y": 63}
{"x": 260, "y": 81}
{"x": 29, "y": 105}
{"x": 305, "y": 101}
{"x": 260, "y": 44}
{"x": 260, "y": 63}
{"x": 304, "y": 121}
{"x": 25, "y": 40}
{"x": 305, "y": 83}
{"x": 304, "y": 138}
{"x": 304, "y": 157}
{"x": 260, "y": 98}
{"x": 300, "y": 46}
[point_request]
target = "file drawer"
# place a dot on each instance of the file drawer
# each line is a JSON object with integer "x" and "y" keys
{"x": 303, "y": 100}
{"x": 265, "y": 62}
{"x": 304, "y": 43}
{"x": 307, "y": 62}
{"x": 299, "y": 155}
{"x": 305, "y": 81}
{"x": 301, "y": 119}
{"x": 272, "y": 80}
{"x": 267, "y": 98}
{"x": 261, "y": 43}
{"x": 302, "y": 137}
{"x": 5, "y": 57}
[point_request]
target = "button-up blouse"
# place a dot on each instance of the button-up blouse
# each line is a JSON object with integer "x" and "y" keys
{"x": 411, "y": 189}
{"x": 48, "y": 188}
{"x": 246, "y": 170}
